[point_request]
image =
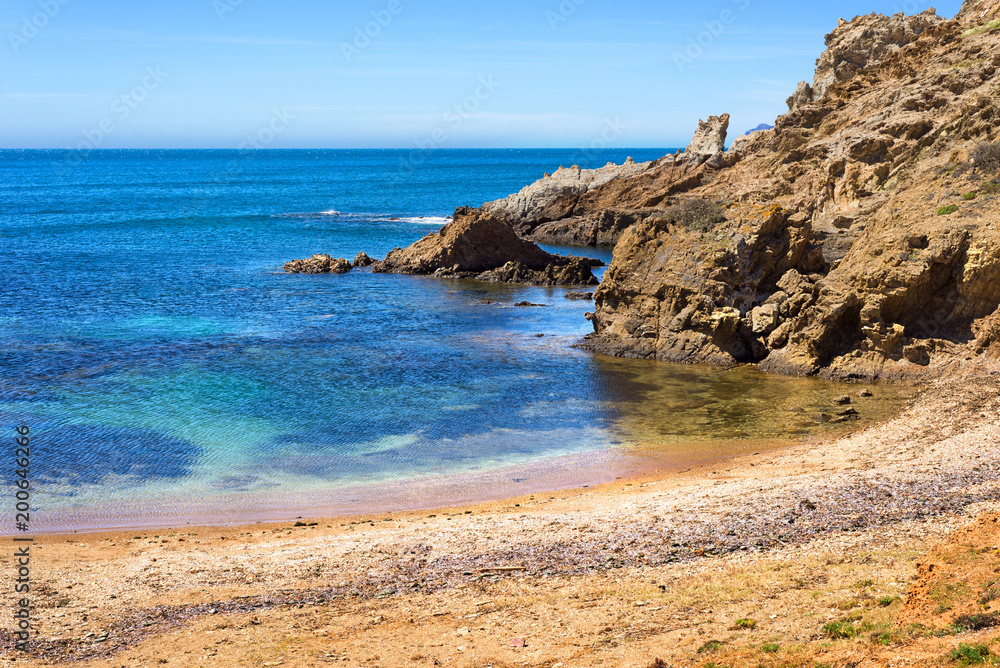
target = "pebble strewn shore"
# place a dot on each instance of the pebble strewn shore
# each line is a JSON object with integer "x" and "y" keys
{"x": 930, "y": 463}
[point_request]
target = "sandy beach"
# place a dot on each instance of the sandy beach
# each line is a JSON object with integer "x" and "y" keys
{"x": 663, "y": 566}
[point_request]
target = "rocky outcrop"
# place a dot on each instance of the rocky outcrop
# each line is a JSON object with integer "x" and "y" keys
{"x": 318, "y": 264}
{"x": 575, "y": 272}
{"x": 556, "y": 195}
{"x": 859, "y": 239}
{"x": 479, "y": 245}
{"x": 362, "y": 260}
{"x": 603, "y": 228}
{"x": 858, "y": 44}
{"x": 594, "y": 206}
{"x": 672, "y": 295}
{"x": 709, "y": 141}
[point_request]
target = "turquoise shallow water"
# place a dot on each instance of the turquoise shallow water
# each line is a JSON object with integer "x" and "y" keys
{"x": 152, "y": 343}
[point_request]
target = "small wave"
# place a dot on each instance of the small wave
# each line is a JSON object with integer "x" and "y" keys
{"x": 418, "y": 220}
{"x": 310, "y": 214}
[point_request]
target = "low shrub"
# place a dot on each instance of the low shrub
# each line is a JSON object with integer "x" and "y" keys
{"x": 947, "y": 210}
{"x": 976, "y": 622}
{"x": 986, "y": 158}
{"x": 745, "y": 623}
{"x": 970, "y": 196}
{"x": 770, "y": 648}
{"x": 697, "y": 214}
{"x": 966, "y": 655}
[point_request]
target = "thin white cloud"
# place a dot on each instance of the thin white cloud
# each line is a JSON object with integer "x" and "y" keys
{"x": 251, "y": 41}
{"x": 32, "y": 96}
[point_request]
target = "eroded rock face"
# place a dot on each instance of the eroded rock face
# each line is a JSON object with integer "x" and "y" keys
{"x": 555, "y": 196}
{"x": 478, "y": 245}
{"x": 318, "y": 264}
{"x": 686, "y": 296}
{"x": 860, "y": 43}
{"x": 709, "y": 141}
{"x": 834, "y": 259}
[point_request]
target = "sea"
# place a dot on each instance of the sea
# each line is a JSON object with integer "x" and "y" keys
{"x": 170, "y": 372}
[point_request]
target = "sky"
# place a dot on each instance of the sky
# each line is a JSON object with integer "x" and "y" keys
{"x": 403, "y": 73}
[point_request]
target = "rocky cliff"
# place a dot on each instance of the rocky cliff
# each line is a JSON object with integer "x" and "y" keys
{"x": 856, "y": 239}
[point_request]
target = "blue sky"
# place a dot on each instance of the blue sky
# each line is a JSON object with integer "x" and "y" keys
{"x": 443, "y": 73}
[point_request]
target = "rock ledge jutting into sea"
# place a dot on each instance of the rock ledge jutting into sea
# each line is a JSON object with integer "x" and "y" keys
{"x": 479, "y": 245}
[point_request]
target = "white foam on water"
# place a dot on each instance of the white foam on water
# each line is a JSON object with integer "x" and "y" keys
{"x": 437, "y": 221}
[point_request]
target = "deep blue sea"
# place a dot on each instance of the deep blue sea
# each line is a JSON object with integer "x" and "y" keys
{"x": 160, "y": 356}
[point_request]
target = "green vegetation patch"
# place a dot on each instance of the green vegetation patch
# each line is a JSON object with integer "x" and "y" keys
{"x": 970, "y": 196}
{"x": 966, "y": 655}
{"x": 711, "y": 646}
{"x": 840, "y": 630}
{"x": 770, "y": 648}
{"x": 947, "y": 210}
{"x": 983, "y": 29}
{"x": 746, "y": 623}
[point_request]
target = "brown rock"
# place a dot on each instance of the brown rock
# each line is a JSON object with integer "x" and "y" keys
{"x": 479, "y": 245}
{"x": 857, "y": 277}
{"x": 318, "y": 264}
{"x": 362, "y": 260}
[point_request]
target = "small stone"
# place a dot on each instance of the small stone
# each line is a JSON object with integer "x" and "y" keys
{"x": 866, "y": 393}
{"x": 849, "y": 411}
{"x": 518, "y": 642}
{"x": 842, "y": 401}
{"x": 464, "y": 631}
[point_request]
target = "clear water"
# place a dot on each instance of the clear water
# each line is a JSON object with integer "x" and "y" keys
{"x": 151, "y": 341}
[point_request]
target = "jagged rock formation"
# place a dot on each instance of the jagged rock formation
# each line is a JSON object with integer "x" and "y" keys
{"x": 478, "y": 245}
{"x": 556, "y": 198}
{"x": 318, "y": 264}
{"x": 854, "y": 45}
{"x": 362, "y": 260}
{"x": 709, "y": 141}
{"x": 860, "y": 241}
